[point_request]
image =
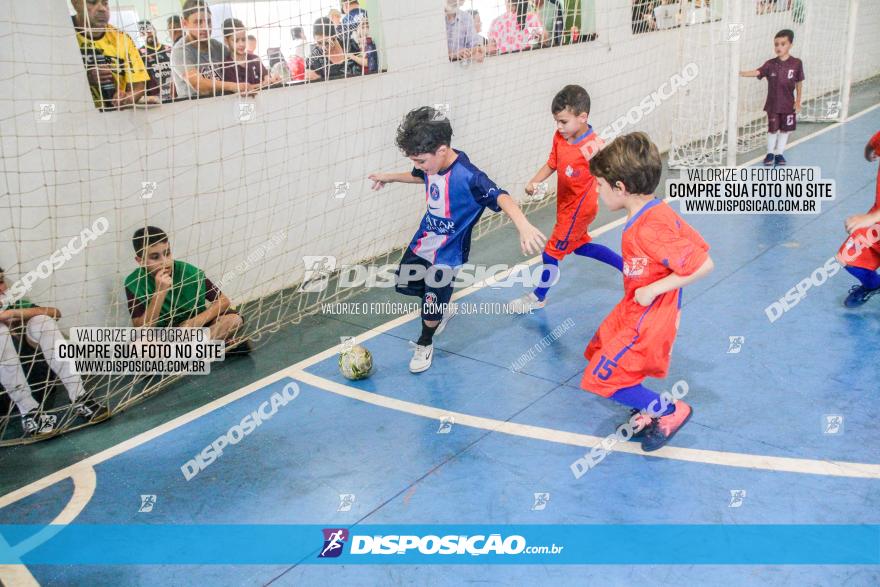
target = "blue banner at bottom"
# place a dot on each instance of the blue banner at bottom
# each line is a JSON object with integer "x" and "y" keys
{"x": 81, "y": 544}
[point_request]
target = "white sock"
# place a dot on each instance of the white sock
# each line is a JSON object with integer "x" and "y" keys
{"x": 12, "y": 375}
{"x": 43, "y": 331}
{"x": 780, "y": 143}
{"x": 771, "y": 141}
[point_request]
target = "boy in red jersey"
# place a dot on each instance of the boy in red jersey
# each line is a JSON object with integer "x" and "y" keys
{"x": 661, "y": 254}
{"x": 577, "y": 201}
{"x": 785, "y": 81}
{"x": 860, "y": 254}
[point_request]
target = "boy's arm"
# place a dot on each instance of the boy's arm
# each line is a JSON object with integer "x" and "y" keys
{"x": 531, "y": 239}
{"x": 798, "y": 92}
{"x": 857, "y": 221}
{"x": 154, "y": 306}
{"x": 380, "y": 179}
{"x": 646, "y": 295}
{"x": 542, "y": 174}
{"x": 26, "y": 314}
{"x": 210, "y": 314}
{"x": 750, "y": 73}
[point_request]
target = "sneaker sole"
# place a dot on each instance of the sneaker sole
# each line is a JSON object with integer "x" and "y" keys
{"x": 671, "y": 436}
{"x": 423, "y": 369}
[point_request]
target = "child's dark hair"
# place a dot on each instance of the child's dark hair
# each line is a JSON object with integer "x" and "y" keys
{"x": 147, "y": 237}
{"x": 190, "y": 7}
{"x": 632, "y": 159}
{"x": 423, "y": 130}
{"x": 785, "y": 33}
{"x": 323, "y": 27}
{"x": 573, "y": 97}
{"x": 230, "y": 25}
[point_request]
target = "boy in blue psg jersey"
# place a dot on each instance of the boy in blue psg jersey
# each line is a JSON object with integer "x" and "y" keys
{"x": 456, "y": 192}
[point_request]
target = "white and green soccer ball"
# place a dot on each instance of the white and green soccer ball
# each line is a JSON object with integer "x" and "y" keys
{"x": 356, "y": 363}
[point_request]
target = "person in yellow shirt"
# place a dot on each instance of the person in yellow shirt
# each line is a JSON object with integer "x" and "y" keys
{"x": 116, "y": 72}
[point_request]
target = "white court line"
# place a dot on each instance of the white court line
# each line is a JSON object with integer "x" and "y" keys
{"x": 693, "y": 455}
{"x": 153, "y": 433}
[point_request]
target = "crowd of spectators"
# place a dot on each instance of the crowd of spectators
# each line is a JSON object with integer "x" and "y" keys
{"x": 525, "y": 25}
{"x": 197, "y": 65}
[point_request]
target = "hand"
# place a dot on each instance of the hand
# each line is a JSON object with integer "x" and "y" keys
{"x": 797, "y": 107}
{"x": 854, "y": 223}
{"x": 379, "y": 180}
{"x": 870, "y": 153}
{"x": 644, "y": 296}
{"x": 100, "y": 74}
{"x": 530, "y": 188}
{"x": 531, "y": 240}
{"x": 464, "y": 54}
{"x": 248, "y": 89}
{"x": 164, "y": 280}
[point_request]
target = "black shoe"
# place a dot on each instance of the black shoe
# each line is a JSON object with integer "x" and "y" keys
{"x": 644, "y": 420}
{"x": 858, "y": 295}
{"x": 92, "y": 411}
{"x": 241, "y": 347}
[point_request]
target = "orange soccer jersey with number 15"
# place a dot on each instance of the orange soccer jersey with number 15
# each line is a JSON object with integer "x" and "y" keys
{"x": 635, "y": 342}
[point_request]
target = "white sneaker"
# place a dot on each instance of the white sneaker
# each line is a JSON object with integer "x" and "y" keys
{"x": 451, "y": 310}
{"x": 422, "y": 358}
{"x": 525, "y": 304}
{"x": 36, "y": 423}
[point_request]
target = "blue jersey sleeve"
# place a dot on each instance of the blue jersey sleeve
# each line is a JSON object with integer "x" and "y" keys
{"x": 485, "y": 192}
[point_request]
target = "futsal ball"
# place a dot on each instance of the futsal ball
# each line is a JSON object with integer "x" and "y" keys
{"x": 356, "y": 363}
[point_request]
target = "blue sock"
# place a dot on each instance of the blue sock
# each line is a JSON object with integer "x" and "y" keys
{"x": 870, "y": 279}
{"x": 600, "y": 253}
{"x": 640, "y": 397}
{"x": 546, "y": 277}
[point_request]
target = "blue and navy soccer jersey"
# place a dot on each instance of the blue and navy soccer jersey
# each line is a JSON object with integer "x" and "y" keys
{"x": 456, "y": 199}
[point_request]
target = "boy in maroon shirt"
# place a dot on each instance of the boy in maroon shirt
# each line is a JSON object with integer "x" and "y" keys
{"x": 785, "y": 77}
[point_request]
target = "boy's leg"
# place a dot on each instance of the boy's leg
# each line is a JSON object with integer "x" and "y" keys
{"x": 860, "y": 256}
{"x": 534, "y": 300}
{"x": 225, "y": 326}
{"x": 787, "y": 125}
{"x": 12, "y": 375}
{"x": 600, "y": 253}
{"x": 43, "y": 333}
{"x": 549, "y": 276}
{"x": 438, "y": 286}
{"x": 772, "y": 136}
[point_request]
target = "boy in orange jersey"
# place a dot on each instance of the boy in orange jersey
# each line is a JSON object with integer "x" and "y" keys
{"x": 577, "y": 200}
{"x": 661, "y": 254}
{"x": 860, "y": 254}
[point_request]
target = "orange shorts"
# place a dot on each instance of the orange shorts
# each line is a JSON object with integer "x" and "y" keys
{"x": 861, "y": 249}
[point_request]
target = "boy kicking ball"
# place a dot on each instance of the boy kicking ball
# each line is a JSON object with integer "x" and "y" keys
{"x": 456, "y": 192}
{"x": 661, "y": 254}
{"x": 577, "y": 201}
{"x": 785, "y": 80}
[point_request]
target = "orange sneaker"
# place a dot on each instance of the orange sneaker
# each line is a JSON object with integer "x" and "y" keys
{"x": 664, "y": 428}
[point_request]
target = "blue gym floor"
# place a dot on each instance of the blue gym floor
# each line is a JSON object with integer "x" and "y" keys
{"x": 342, "y": 437}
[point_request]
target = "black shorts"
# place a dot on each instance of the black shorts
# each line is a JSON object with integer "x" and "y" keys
{"x": 432, "y": 283}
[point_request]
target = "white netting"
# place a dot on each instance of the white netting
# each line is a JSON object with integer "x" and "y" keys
{"x": 748, "y": 28}
{"x": 247, "y": 187}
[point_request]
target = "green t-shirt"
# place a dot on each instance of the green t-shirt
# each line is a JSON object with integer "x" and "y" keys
{"x": 184, "y": 300}
{"x": 21, "y": 304}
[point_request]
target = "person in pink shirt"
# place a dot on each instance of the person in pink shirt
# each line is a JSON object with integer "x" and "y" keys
{"x": 516, "y": 30}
